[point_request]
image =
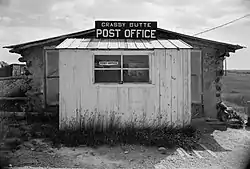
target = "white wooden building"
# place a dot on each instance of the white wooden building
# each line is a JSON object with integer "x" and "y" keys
{"x": 145, "y": 83}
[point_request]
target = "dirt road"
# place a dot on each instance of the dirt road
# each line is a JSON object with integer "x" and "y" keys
{"x": 219, "y": 148}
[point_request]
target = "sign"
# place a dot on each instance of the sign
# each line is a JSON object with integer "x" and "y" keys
{"x": 108, "y": 63}
{"x": 125, "y": 29}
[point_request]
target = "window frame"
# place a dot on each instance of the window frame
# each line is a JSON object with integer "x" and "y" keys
{"x": 200, "y": 78}
{"x": 122, "y": 53}
{"x": 48, "y": 76}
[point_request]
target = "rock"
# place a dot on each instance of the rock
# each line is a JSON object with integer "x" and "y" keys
{"x": 40, "y": 149}
{"x": 162, "y": 150}
{"x": 28, "y": 145}
{"x": 92, "y": 153}
{"x": 50, "y": 150}
{"x": 19, "y": 147}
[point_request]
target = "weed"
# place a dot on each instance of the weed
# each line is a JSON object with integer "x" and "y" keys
{"x": 4, "y": 160}
{"x": 165, "y": 136}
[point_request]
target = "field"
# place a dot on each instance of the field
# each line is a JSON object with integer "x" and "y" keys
{"x": 236, "y": 87}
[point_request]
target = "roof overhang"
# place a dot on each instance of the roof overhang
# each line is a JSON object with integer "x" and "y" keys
{"x": 16, "y": 48}
{"x": 19, "y": 47}
{"x": 231, "y": 47}
{"x": 123, "y": 44}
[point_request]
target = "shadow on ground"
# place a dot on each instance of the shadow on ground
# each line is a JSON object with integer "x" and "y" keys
{"x": 207, "y": 137}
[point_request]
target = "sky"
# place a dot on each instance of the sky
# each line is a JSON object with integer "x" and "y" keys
{"x": 28, "y": 20}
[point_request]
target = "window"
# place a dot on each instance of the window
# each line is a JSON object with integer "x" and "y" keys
{"x": 121, "y": 69}
{"x": 52, "y": 77}
{"x": 196, "y": 76}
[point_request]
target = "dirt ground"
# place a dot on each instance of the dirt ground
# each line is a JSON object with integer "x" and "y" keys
{"x": 230, "y": 146}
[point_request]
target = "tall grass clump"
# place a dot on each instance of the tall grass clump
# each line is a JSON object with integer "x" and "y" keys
{"x": 4, "y": 161}
{"x": 169, "y": 137}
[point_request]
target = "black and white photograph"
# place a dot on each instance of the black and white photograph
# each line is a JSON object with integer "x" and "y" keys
{"x": 124, "y": 84}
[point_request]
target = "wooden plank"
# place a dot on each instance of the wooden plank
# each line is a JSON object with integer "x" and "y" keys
{"x": 185, "y": 88}
{"x": 66, "y": 100}
{"x": 168, "y": 86}
{"x": 123, "y": 101}
{"x": 75, "y": 44}
{"x": 164, "y": 114}
{"x": 108, "y": 107}
{"x": 185, "y": 43}
{"x": 157, "y": 107}
{"x": 184, "y": 152}
{"x": 93, "y": 44}
{"x": 181, "y": 153}
{"x": 166, "y": 44}
{"x": 147, "y": 44}
{"x": 84, "y": 43}
{"x": 174, "y": 85}
{"x": 13, "y": 78}
{"x": 122, "y": 44}
{"x": 187, "y": 115}
{"x": 14, "y": 98}
{"x": 113, "y": 44}
{"x": 139, "y": 44}
{"x": 66, "y": 43}
{"x": 131, "y": 44}
{"x": 197, "y": 154}
{"x": 209, "y": 151}
{"x": 136, "y": 104}
{"x": 23, "y": 114}
{"x": 86, "y": 94}
{"x": 103, "y": 44}
{"x": 180, "y": 99}
{"x": 156, "y": 44}
{"x": 179, "y": 44}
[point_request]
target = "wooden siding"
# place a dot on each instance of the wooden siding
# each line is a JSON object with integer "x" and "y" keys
{"x": 167, "y": 101}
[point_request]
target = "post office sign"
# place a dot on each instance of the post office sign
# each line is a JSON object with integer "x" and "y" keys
{"x": 125, "y": 29}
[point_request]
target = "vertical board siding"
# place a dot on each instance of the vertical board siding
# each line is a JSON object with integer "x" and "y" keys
{"x": 168, "y": 86}
{"x": 174, "y": 88}
{"x": 166, "y": 102}
{"x": 180, "y": 86}
{"x": 187, "y": 86}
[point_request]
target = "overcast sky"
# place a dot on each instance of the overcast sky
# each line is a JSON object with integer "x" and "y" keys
{"x": 28, "y": 20}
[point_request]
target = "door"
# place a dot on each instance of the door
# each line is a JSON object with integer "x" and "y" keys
{"x": 52, "y": 77}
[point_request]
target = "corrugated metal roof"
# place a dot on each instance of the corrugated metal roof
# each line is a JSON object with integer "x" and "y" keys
{"x": 141, "y": 44}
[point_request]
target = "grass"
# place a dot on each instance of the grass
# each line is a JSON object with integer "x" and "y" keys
{"x": 4, "y": 160}
{"x": 236, "y": 87}
{"x": 168, "y": 137}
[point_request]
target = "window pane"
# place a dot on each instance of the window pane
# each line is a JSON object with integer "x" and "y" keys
{"x": 139, "y": 61}
{"x": 107, "y": 61}
{"x": 195, "y": 88}
{"x": 52, "y": 63}
{"x": 110, "y": 76}
{"x": 53, "y": 91}
{"x": 136, "y": 76}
